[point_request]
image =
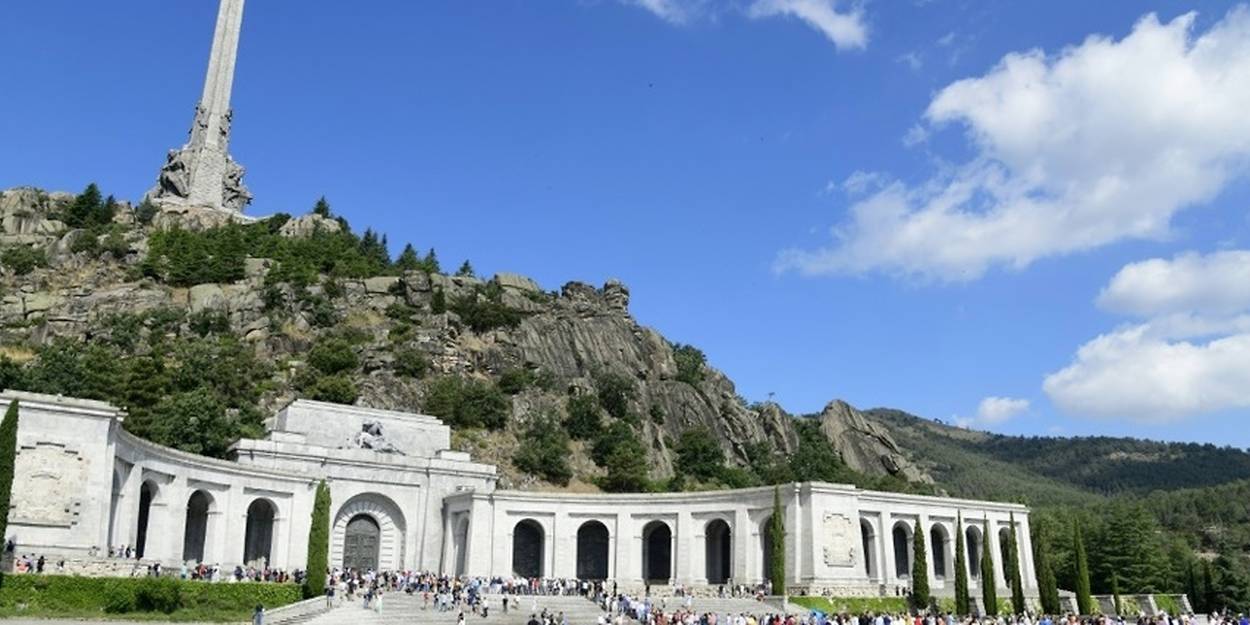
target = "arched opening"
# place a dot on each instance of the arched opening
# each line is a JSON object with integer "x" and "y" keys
{"x": 147, "y": 493}
{"x": 718, "y": 551}
{"x": 361, "y": 543}
{"x": 869, "y": 539}
{"x": 527, "y": 549}
{"x": 592, "y": 551}
{"x": 258, "y": 537}
{"x": 767, "y": 549}
{"x": 378, "y": 540}
{"x": 657, "y": 552}
{"x": 902, "y": 550}
{"x": 195, "y": 533}
{"x": 939, "y": 542}
{"x": 972, "y": 536}
{"x": 460, "y": 542}
{"x": 1004, "y": 553}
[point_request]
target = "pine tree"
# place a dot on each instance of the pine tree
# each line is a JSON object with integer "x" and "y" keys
{"x": 963, "y": 602}
{"x": 1047, "y": 584}
{"x": 1013, "y": 564}
{"x": 465, "y": 270}
{"x": 919, "y": 569}
{"x": 8, "y": 459}
{"x": 429, "y": 264}
{"x": 989, "y": 585}
{"x": 777, "y": 536}
{"x": 1115, "y": 593}
{"x": 408, "y": 259}
{"x": 322, "y": 208}
{"x": 318, "y": 543}
{"x": 1084, "y": 601}
{"x": 85, "y": 207}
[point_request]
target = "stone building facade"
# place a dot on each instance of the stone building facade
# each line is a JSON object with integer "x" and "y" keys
{"x": 402, "y": 499}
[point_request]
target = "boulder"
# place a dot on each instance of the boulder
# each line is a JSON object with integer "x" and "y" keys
{"x": 194, "y": 217}
{"x": 865, "y": 446}
{"x": 256, "y": 267}
{"x": 380, "y": 285}
{"x": 516, "y": 282}
{"x": 304, "y": 226}
{"x": 206, "y": 296}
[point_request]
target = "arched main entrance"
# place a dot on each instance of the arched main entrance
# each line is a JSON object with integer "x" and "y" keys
{"x": 719, "y": 550}
{"x": 258, "y": 537}
{"x": 592, "y": 551}
{"x": 390, "y": 534}
{"x": 869, "y": 539}
{"x": 902, "y": 549}
{"x": 361, "y": 543}
{"x": 938, "y": 545}
{"x": 527, "y": 549}
{"x": 147, "y": 493}
{"x": 195, "y": 533}
{"x": 657, "y": 553}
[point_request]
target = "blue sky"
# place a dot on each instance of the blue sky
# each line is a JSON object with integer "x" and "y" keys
{"x": 1029, "y": 216}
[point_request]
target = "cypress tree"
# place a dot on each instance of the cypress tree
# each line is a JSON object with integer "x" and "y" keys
{"x": 318, "y": 543}
{"x": 962, "y": 600}
{"x": 1208, "y": 588}
{"x": 1191, "y": 588}
{"x": 989, "y": 585}
{"x": 1084, "y": 601}
{"x": 1047, "y": 584}
{"x": 1013, "y": 563}
{"x": 1115, "y": 593}
{"x": 777, "y": 536}
{"x": 919, "y": 569}
{"x": 8, "y": 458}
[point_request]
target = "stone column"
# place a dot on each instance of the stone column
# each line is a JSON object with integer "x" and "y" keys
{"x": 126, "y": 527}
{"x": 740, "y": 535}
{"x": 628, "y": 563}
{"x": 1025, "y": 540}
{"x": 563, "y": 546}
{"x": 889, "y": 576}
{"x": 683, "y": 560}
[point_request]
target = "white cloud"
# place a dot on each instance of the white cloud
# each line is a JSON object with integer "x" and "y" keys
{"x": 1105, "y": 141}
{"x": 1190, "y": 357}
{"x": 1218, "y": 283}
{"x": 846, "y": 30}
{"x": 861, "y": 182}
{"x": 912, "y": 60}
{"x": 672, "y": 11}
{"x": 999, "y": 409}
{"x": 1137, "y": 374}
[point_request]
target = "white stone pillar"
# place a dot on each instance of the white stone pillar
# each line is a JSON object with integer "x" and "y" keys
{"x": 126, "y": 527}
{"x": 740, "y": 535}
{"x": 628, "y": 562}
{"x": 889, "y": 574}
{"x": 1025, "y": 539}
{"x": 563, "y": 546}
{"x": 683, "y": 561}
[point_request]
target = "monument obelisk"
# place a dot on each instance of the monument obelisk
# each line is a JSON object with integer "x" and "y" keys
{"x": 202, "y": 174}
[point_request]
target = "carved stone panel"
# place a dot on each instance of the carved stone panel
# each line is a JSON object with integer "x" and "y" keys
{"x": 52, "y": 479}
{"x": 839, "y": 540}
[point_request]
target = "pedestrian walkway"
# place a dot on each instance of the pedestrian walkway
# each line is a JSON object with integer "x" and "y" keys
{"x": 399, "y": 608}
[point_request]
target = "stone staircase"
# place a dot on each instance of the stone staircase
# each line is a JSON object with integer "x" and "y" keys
{"x": 399, "y": 608}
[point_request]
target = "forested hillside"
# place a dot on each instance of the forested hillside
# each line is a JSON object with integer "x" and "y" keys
{"x": 1155, "y": 516}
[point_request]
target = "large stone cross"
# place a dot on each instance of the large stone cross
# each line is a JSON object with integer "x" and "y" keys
{"x": 202, "y": 174}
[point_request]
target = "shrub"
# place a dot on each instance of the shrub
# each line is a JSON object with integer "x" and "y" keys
{"x": 467, "y": 403}
{"x": 544, "y": 452}
{"x": 514, "y": 381}
{"x": 615, "y": 392}
{"x": 333, "y": 356}
{"x": 657, "y": 414}
{"x": 209, "y": 321}
{"x": 583, "y": 421}
{"x": 336, "y": 389}
{"x": 690, "y": 363}
{"x": 483, "y": 310}
{"x": 157, "y": 594}
{"x": 85, "y": 242}
{"x": 699, "y": 455}
{"x": 411, "y": 363}
{"x": 23, "y": 259}
{"x": 118, "y": 600}
{"x": 617, "y": 436}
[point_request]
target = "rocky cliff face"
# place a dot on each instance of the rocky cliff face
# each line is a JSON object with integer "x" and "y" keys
{"x": 571, "y": 335}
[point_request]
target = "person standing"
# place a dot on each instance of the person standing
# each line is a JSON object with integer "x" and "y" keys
{"x": 258, "y": 616}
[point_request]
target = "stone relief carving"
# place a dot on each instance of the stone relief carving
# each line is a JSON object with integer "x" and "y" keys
{"x": 370, "y": 437}
{"x": 839, "y": 540}
{"x": 51, "y": 476}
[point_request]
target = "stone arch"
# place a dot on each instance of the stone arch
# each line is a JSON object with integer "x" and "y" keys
{"x": 901, "y": 534}
{"x": 1004, "y": 552}
{"x": 258, "y": 535}
{"x": 657, "y": 552}
{"x": 939, "y": 547}
{"x": 592, "y": 551}
{"x": 767, "y": 549}
{"x": 195, "y": 531}
{"x": 974, "y": 542}
{"x": 718, "y": 550}
{"x": 868, "y": 538}
{"x": 390, "y": 529}
{"x": 528, "y": 542}
{"x": 148, "y": 494}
